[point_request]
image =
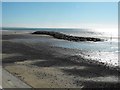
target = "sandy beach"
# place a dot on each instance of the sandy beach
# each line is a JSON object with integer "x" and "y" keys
{"x": 41, "y": 65}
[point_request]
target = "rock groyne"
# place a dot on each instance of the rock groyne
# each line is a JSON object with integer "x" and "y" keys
{"x": 59, "y": 35}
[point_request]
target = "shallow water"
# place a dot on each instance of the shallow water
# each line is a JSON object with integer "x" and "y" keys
{"x": 106, "y": 51}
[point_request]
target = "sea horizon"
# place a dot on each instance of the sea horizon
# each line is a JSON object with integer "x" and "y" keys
{"x": 60, "y": 45}
{"x": 96, "y": 51}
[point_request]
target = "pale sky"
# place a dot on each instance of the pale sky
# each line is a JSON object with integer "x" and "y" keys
{"x": 60, "y": 14}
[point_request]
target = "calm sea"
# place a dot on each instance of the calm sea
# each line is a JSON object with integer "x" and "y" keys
{"x": 106, "y": 51}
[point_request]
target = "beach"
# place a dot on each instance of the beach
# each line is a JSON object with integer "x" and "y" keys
{"x": 41, "y": 65}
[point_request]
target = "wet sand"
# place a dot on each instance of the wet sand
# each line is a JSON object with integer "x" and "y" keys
{"x": 43, "y": 66}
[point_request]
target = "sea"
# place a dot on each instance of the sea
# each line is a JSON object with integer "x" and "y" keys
{"x": 106, "y": 51}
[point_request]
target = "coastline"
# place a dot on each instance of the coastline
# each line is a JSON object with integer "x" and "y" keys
{"x": 49, "y": 66}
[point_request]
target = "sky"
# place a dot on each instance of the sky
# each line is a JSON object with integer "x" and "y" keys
{"x": 60, "y": 0}
{"x": 60, "y": 14}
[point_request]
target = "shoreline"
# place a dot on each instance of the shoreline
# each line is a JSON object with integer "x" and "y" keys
{"x": 44, "y": 64}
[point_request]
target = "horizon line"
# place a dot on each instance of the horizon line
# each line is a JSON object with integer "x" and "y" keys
{"x": 46, "y": 27}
